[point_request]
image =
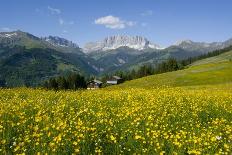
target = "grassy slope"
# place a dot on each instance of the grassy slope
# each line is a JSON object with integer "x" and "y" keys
{"x": 210, "y": 71}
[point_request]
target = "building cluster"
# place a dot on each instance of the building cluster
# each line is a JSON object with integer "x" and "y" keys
{"x": 95, "y": 84}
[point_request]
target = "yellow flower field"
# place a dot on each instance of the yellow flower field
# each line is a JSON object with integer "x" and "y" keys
{"x": 156, "y": 121}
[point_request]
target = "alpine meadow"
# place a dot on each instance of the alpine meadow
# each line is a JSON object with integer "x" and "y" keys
{"x": 120, "y": 95}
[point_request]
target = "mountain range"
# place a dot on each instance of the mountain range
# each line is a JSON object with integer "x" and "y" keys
{"x": 114, "y": 42}
{"x": 28, "y": 60}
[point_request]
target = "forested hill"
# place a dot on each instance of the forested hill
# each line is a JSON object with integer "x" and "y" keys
{"x": 208, "y": 71}
{"x": 30, "y": 67}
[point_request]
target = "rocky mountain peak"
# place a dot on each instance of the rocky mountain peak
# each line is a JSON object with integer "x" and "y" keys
{"x": 114, "y": 42}
{"x": 8, "y": 35}
{"x": 57, "y": 41}
{"x": 181, "y": 42}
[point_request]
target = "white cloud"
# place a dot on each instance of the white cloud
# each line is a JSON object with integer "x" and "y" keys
{"x": 65, "y": 31}
{"x": 63, "y": 22}
{"x": 56, "y": 13}
{"x": 147, "y": 13}
{"x": 113, "y": 22}
{"x": 54, "y": 10}
{"x": 5, "y": 29}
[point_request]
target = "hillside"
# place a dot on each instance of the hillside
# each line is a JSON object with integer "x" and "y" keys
{"x": 30, "y": 41}
{"x": 126, "y": 52}
{"x": 210, "y": 71}
{"x": 30, "y": 67}
{"x": 125, "y": 58}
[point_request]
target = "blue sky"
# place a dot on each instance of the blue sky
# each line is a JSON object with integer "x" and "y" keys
{"x": 162, "y": 21}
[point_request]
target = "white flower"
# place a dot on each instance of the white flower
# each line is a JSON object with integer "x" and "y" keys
{"x": 218, "y": 137}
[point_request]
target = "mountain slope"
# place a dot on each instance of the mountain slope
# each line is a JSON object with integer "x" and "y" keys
{"x": 125, "y": 53}
{"x": 125, "y": 58}
{"x": 20, "y": 66}
{"x": 28, "y": 60}
{"x": 210, "y": 71}
{"x": 22, "y": 39}
{"x": 57, "y": 41}
{"x": 30, "y": 41}
{"x": 202, "y": 47}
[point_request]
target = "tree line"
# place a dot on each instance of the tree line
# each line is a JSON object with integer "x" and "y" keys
{"x": 76, "y": 81}
{"x": 145, "y": 70}
{"x": 169, "y": 65}
{"x": 190, "y": 60}
{"x": 73, "y": 81}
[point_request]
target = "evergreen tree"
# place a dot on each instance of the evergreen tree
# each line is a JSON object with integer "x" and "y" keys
{"x": 62, "y": 83}
{"x": 53, "y": 84}
{"x": 73, "y": 81}
{"x": 2, "y": 83}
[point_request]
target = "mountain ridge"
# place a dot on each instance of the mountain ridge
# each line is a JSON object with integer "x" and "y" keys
{"x": 68, "y": 56}
{"x": 139, "y": 43}
{"x": 31, "y": 41}
{"x": 58, "y": 41}
{"x": 117, "y": 41}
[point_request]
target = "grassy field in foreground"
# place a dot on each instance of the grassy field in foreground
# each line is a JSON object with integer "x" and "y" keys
{"x": 183, "y": 112}
{"x": 211, "y": 71}
{"x": 165, "y": 120}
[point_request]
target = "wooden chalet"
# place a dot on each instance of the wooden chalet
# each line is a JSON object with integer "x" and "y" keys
{"x": 94, "y": 84}
{"x": 114, "y": 80}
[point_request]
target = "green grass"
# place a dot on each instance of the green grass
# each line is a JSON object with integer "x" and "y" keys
{"x": 211, "y": 71}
